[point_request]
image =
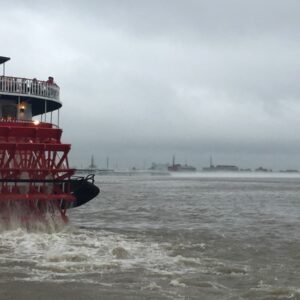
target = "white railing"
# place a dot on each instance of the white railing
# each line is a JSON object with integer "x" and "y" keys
{"x": 30, "y": 87}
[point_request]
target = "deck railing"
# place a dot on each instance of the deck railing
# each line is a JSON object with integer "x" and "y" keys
{"x": 11, "y": 122}
{"x": 29, "y": 87}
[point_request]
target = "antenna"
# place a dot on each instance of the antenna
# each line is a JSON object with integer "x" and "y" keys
{"x": 92, "y": 166}
{"x": 211, "y": 161}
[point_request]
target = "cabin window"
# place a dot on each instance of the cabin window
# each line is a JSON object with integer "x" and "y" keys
{"x": 9, "y": 112}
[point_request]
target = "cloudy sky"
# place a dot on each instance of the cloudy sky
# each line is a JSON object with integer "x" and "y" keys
{"x": 143, "y": 80}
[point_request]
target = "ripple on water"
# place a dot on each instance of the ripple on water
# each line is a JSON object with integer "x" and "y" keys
{"x": 266, "y": 292}
{"x": 74, "y": 252}
{"x": 215, "y": 244}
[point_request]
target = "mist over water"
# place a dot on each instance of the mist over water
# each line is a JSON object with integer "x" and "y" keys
{"x": 169, "y": 237}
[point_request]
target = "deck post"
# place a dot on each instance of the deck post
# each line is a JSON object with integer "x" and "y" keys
{"x": 45, "y": 111}
{"x": 18, "y": 109}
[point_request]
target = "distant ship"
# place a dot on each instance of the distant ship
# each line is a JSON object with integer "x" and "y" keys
{"x": 261, "y": 169}
{"x": 181, "y": 168}
{"x": 289, "y": 171}
{"x": 224, "y": 168}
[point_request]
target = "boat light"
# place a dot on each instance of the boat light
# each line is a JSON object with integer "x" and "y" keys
{"x": 22, "y": 108}
{"x": 36, "y": 122}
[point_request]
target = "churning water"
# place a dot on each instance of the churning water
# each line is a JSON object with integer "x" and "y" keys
{"x": 168, "y": 237}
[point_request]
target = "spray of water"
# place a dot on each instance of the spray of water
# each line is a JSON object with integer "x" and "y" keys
{"x": 31, "y": 217}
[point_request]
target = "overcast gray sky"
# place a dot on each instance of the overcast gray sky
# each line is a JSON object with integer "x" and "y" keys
{"x": 142, "y": 80}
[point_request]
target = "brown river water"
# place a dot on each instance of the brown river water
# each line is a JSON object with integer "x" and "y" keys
{"x": 200, "y": 236}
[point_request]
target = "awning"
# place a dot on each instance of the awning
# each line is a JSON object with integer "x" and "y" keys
{"x": 3, "y": 59}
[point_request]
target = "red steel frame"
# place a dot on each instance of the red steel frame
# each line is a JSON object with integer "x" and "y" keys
{"x": 34, "y": 167}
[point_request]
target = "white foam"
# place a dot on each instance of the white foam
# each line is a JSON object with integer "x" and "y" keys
{"x": 73, "y": 252}
{"x": 69, "y": 254}
{"x": 152, "y": 286}
{"x": 177, "y": 283}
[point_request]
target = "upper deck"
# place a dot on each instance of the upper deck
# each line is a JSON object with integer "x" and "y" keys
{"x": 36, "y": 91}
{"x": 29, "y": 87}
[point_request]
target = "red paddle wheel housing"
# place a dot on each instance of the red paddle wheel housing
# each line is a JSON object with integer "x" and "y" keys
{"x": 34, "y": 169}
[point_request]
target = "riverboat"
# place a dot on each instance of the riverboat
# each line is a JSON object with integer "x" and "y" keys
{"x": 35, "y": 176}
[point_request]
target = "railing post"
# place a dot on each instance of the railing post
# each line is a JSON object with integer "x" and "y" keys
{"x": 45, "y": 110}
{"x": 18, "y": 109}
